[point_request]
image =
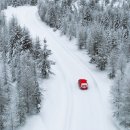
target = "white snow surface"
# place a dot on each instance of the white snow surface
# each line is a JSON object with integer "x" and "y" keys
{"x": 65, "y": 106}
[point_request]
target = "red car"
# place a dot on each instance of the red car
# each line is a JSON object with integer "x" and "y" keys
{"x": 83, "y": 84}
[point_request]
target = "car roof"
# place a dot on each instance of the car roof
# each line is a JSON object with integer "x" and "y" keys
{"x": 82, "y": 80}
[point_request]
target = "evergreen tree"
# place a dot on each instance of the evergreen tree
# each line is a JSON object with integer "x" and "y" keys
{"x": 117, "y": 99}
{"x": 95, "y": 38}
{"x": 3, "y": 4}
{"x": 15, "y": 3}
{"x": 112, "y": 63}
{"x": 14, "y": 45}
{"x": 121, "y": 63}
{"x": 29, "y": 85}
{"x": 82, "y": 38}
{"x": 107, "y": 2}
{"x": 45, "y": 63}
{"x": 85, "y": 14}
{"x": 33, "y": 2}
{"x": 102, "y": 56}
{"x": 37, "y": 49}
{"x": 4, "y": 106}
{"x": 50, "y": 16}
{"x": 125, "y": 111}
{"x": 26, "y": 41}
{"x": 42, "y": 9}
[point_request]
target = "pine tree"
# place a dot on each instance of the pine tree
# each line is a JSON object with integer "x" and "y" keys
{"x": 50, "y": 17}
{"x": 4, "y": 106}
{"x": 37, "y": 49}
{"x": 112, "y": 63}
{"x": 33, "y": 2}
{"x": 85, "y": 14}
{"x": 42, "y": 9}
{"x": 29, "y": 86}
{"x": 16, "y": 35}
{"x": 82, "y": 38}
{"x": 122, "y": 98}
{"x": 107, "y": 2}
{"x": 3, "y": 4}
{"x": 116, "y": 22}
{"x": 4, "y": 50}
{"x": 102, "y": 56}
{"x": 15, "y": 3}
{"x": 94, "y": 40}
{"x": 121, "y": 63}
{"x": 117, "y": 98}
{"x": 45, "y": 63}
{"x": 2, "y": 20}
{"x": 26, "y": 41}
{"x": 125, "y": 110}
{"x": 64, "y": 27}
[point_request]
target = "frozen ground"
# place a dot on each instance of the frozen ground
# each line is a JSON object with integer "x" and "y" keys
{"x": 65, "y": 106}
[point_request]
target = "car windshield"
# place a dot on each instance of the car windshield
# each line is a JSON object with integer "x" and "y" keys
{"x": 84, "y": 85}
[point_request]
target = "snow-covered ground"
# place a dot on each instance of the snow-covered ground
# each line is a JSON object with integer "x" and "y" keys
{"x": 65, "y": 106}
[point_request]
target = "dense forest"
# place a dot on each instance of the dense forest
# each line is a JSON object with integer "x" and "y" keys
{"x": 15, "y": 3}
{"x": 23, "y": 62}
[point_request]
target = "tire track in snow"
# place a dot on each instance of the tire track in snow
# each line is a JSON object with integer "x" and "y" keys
{"x": 69, "y": 106}
{"x": 72, "y": 57}
{"x": 77, "y": 57}
{"x": 82, "y": 70}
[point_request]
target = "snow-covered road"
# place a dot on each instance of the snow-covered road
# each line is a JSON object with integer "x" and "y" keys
{"x": 65, "y": 106}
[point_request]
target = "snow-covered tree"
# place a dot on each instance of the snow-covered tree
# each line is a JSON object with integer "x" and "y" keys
{"x": 96, "y": 44}
{"x": 107, "y": 2}
{"x": 50, "y": 17}
{"x": 4, "y": 80}
{"x": 45, "y": 63}
{"x": 102, "y": 56}
{"x": 82, "y": 38}
{"x": 121, "y": 97}
{"x": 117, "y": 98}
{"x": 26, "y": 41}
{"x": 33, "y": 2}
{"x": 121, "y": 63}
{"x": 15, "y": 34}
{"x": 42, "y": 9}
{"x": 125, "y": 111}
{"x": 15, "y": 3}
{"x": 3, "y": 4}
{"x": 4, "y": 106}
{"x": 85, "y": 14}
{"x": 29, "y": 86}
{"x": 112, "y": 63}
{"x": 37, "y": 49}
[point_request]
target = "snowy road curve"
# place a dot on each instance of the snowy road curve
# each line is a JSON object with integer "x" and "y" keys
{"x": 65, "y": 106}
